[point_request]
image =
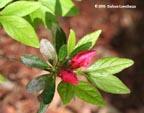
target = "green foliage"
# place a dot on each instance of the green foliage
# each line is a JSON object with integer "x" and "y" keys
{"x": 39, "y": 14}
{"x": 38, "y": 84}
{"x": 110, "y": 65}
{"x": 46, "y": 84}
{"x": 4, "y": 2}
{"x": 45, "y": 10}
{"x": 71, "y": 42}
{"x": 66, "y": 92}
{"x": 44, "y": 15}
{"x": 20, "y": 8}
{"x": 62, "y": 53}
{"x": 20, "y": 30}
{"x": 86, "y": 43}
{"x": 100, "y": 74}
{"x": 60, "y": 7}
{"x": 88, "y": 93}
{"x": 42, "y": 107}
{"x": 92, "y": 38}
{"x": 48, "y": 93}
{"x": 50, "y": 20}
{"x": 108, "y": 83}
{"x": 34, "y": 61}
{"x": 59, "y": 37}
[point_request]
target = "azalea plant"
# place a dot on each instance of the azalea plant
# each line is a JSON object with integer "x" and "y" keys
{"x": 73, "y": 62}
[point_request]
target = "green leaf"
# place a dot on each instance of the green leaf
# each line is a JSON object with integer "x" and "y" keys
{"x": 2, "y": 79}
{"x": 110, "y": 65}
{"x": 66, "y": 92}
{"x": 20, "y": 8}
{"x": 42, "y": 108}
{"x": 88, "y": 93}
{"x": 50, "y": 20}
{"x": 48, "y": 93}
{"x": 71, "y": 41}
{"x": 4, "y": 2}
{"x": 59, "y": 37}
{"x": 45, "y": 83}
{"x": 62, "y": 53}
{"x": 34, "y": 61}
{"x": 20, "y": 30}
{"x": 37, "y": 84}
{"x": 43, "y": 14}
{"x": 38, "y": 14}
{"x": 60, "y": 7}
{"x": 108, "y": 83}
{"x": 92, "y": 37}
{"x": 85, "y": 46}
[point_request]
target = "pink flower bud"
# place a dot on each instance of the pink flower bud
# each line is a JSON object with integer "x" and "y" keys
{"x": 82, "y": 59}
{"x": 68, "y": 76}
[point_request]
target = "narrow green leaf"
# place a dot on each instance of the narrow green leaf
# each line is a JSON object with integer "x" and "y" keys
{"x": 20, "y": 8}
{"x": 48, "y": 93}
{"x": 92, "y": 38}
{"x": 4, "y": 2}
{"x": 62, "y": 53}
{"x": 110, "y": 65}
{"x": 88, "y": 93}
{"x": 37, "y": 84}
{"x": 59, "y": 37}
{"x": 43, "y": 107}
{"x": 34, "y": 61}
{"x": 60, "y": 7}
{"x": 50, "y": 20}
{"x": 2, "y": 79}
{"x": 66, "y": 92}
{"x": 71, "y": 42}
{"x": 80, "y": 48}
{"x": 20, "y": 30}
{"x": 108, "y": 83}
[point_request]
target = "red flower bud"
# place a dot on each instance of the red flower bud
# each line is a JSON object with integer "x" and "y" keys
{"x": 68, "y": 76}
{"x": 82, "y": 59}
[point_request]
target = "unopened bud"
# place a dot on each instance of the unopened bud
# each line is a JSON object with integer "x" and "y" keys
{"x": 47, "y": 49}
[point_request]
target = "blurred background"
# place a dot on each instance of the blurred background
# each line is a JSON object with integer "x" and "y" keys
{"x": 123, "y": 36}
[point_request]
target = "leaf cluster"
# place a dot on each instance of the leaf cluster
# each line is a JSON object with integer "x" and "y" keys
{"x": 19, "y": 18}
{"x": 99, "y": 75}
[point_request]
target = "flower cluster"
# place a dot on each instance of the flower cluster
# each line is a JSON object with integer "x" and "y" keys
{"x": 82, "y": 59}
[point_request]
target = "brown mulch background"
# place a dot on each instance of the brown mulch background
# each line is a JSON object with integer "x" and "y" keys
{"x": 123, "y": 35}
